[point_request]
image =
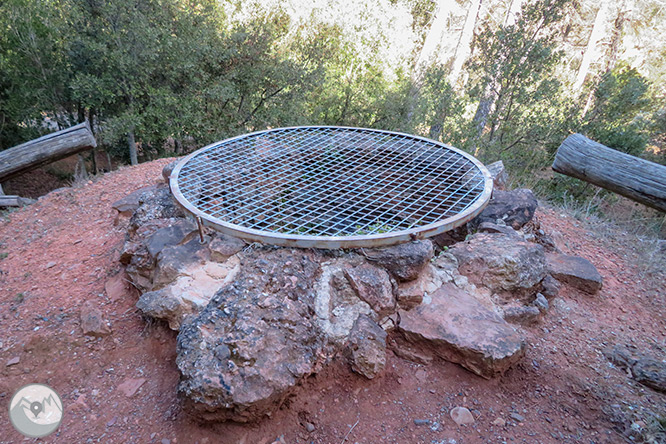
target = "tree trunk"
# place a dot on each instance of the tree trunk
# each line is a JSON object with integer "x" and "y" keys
{"x": 432, "y": 41}
{"x": 630, "y": 176}
{"x": 46, "y": 149}
{"x": 132, "y": 148}
{"x": 592, "y": 51}
{"x": 463, "y": 48}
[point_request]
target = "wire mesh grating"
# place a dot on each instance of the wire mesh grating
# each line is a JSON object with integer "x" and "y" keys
{"x": 331, "y": 187}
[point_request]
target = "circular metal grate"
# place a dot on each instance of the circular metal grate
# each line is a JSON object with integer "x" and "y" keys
{"x": 331, "y": 187}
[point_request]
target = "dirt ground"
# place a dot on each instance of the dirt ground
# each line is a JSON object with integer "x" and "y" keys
{"x": 60, "y": 252}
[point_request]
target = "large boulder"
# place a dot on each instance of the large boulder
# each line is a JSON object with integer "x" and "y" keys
{"x": 513, "y": 208}
{"x": 255, "y": 340}
{"x": 404, "y": 261}
{"x": 575, "y": 271}
{"x": 501, "y": 262}
{"x": 456, "y": 327}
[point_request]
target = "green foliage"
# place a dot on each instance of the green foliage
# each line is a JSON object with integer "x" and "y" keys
{"x": 615, "y": 119}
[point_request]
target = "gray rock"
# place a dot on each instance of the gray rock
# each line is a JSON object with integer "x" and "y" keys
{"x": 518, "y": 417}
{"x": 490, "y": 227}
{"x": 458, "y": 328}
{"x": 499, "y": 175}
{"x": 521, "y": 315}
{"x": 92, "y": 321}
{"x": 174, "y": 260}
{"x": 551, "y": 287}
{"x": 166, "y": 171}
{"x": 541, "y": 303}
{"x": 501, "y": 262}
{"x": 372, "y": 285}
{"x": 404, "y": 261}
{"x": 575, "y": 271}
{"x": 171, "y": 235}
{"x": 128, "y": 204}
{"x": 255, "y": 341}
{"x": 224, "y": 246}
{"x": 461, "y": 416}
{"x": 367, "y": 347}
{"x": 156, "y": 203}
{"x": 645, "y": 369}
{"x": 515, "y": 208}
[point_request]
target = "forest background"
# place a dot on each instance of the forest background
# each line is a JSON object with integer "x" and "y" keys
{"x": 503, "y": 79}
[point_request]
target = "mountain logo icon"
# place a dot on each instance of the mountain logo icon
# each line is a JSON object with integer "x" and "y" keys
{"x": 35, "y": 410}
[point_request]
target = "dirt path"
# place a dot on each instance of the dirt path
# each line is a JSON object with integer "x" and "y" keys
{"x": 61, "y": 251}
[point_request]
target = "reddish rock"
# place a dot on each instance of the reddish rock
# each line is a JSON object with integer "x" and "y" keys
{"x": 456, "y": 327}
{"x": 372, "y": 285}
{"x": 92, "y": 321}
{"x": 575, "y": 271}
{"x": 117, "y": 287}
{"x": 130, "y": 386}
{"x": 501, "y": 262}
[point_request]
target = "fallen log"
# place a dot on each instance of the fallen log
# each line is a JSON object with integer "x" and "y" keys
{"x": 46, "y": 149}
{"x": 14, "y": 201}
{"x": 637, "y": 179}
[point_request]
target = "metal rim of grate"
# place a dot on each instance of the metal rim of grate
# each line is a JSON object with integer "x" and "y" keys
{"x": 331, "y": 187}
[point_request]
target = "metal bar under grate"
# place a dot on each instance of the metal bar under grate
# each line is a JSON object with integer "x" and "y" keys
{"x": 331, "y": 187}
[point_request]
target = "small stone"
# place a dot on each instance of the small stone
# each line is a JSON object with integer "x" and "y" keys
{"x": 51, "y": 265}
{"x": 521, "y": 315}
{"x": 575, "y": 271}
{"x": 309, "y": 427}
{"x": 421, "y": 421}
{"x": 367, "y": 344}
{"x": 92, "y": 322}
{"x": 166, "y": 171}
{"x": 15, "y": 360}
{"x": 131, "y": 386}
{"x": 499, "y": 422}
{"x": 518, "y": 417}
{"x": 461, "y": 416}
{"x": 541, "y": 303}
{"x": 153, "y": 435}
{"x": 550, "y": 287}
{"x": 165, "y": 441}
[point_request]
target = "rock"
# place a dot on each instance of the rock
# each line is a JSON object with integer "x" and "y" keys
{"x": 514, "y": 208}
{"x": 458, "y": 328}
{"x": 224, "y": 246}
{"x": 155, "y": 203}
{"x": 499, "y": 175}
{"x": 575, "y": 271}
{"x": 448, "y": 238}
{"x": 13, "y": 361}
{"x": 550, "y": 286}
{"x": 517, "y": 417}
{"x": 405, "y": 261}
{"x": 337, "y": 305}
{"x": 367, "y": 347}
{"x": 643, "y": 368}
{"x": 501, "y": 262}
{"x": 172, "y": 235}
{"x": 92, "y": 321}
{"x": 499, "y": 422}
{"x": 309, "y": 427}
{"x": 541, "y": 303}
{"x": 521, "y": 315}
{"x": 461, "y": 416}
{"x": 489, "y": 227}
{"x": 175, "y": 261}
{"x": 130, "y": 386}
{"x": 166, "y": 171}
{"x": 651, "y": 373}
{"x": 421, "y": 422}
{"x": 255, "y": 341}
{"x": 128, "y": 204}
{"x": 189, "y": 293}
{"x": 117, "y": 287}
{"x": 372, "y": 285}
